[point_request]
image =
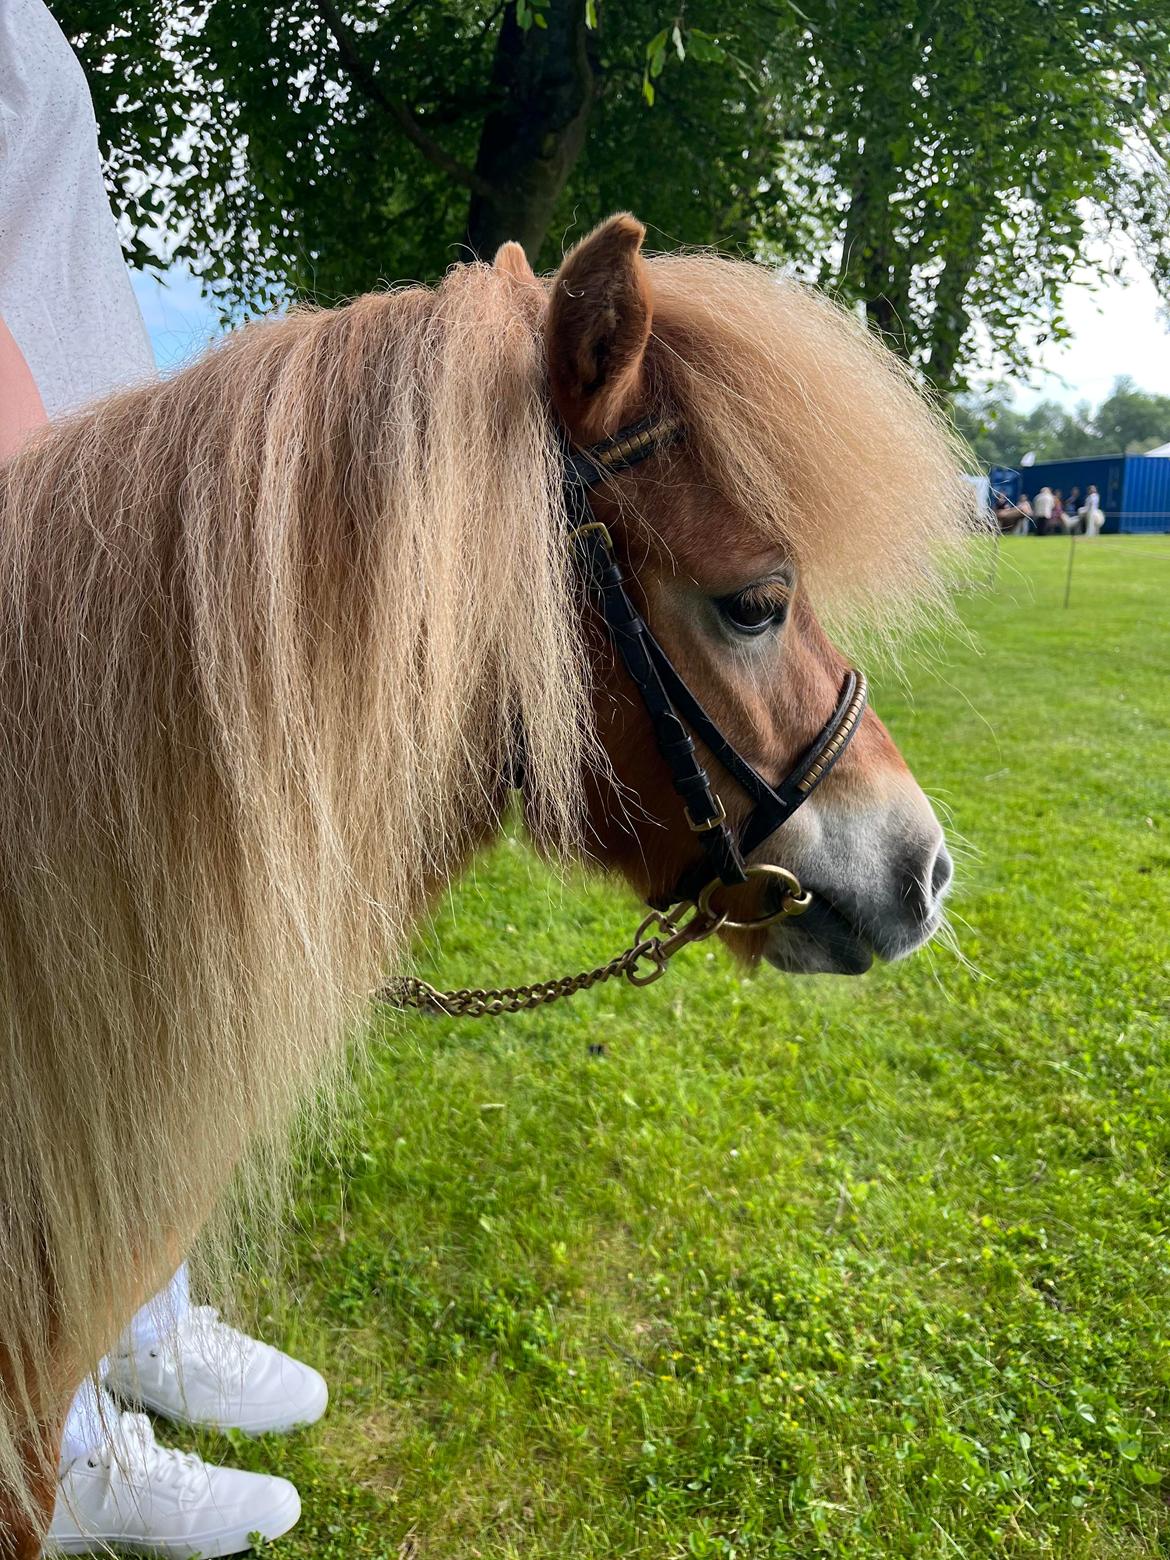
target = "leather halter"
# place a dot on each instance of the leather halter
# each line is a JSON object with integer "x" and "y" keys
{"x": 671, "y": 706}
{"x": 687, "y": 915}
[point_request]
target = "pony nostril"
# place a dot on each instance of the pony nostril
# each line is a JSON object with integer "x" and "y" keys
{"x": 924, "y": 882}
{"x": 942, "y": 873}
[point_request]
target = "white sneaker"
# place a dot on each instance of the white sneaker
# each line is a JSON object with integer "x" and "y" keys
{"x": 207, "y": 1373}
{"x": 131, "y": 1493}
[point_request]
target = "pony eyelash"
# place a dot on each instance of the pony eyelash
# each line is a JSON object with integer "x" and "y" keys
{"x": 775, "y": 593}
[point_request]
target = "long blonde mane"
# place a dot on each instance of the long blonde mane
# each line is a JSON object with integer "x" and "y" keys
{"x": 269, "y": 632}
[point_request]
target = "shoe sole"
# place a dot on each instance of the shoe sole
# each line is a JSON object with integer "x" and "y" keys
{"x": 234, "y": 1540}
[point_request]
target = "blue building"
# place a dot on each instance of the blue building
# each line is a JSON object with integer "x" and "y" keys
{"x": 1134, "y": 489}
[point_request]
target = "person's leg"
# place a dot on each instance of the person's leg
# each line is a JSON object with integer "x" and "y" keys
{"x": 160, "y": 1316}
{"x": 88, "y": 1422}
{"x": 119, "y": 1487}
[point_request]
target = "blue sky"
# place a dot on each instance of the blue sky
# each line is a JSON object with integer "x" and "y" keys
{"x": 1117, "y": 328}
{"x": 179, "y": 320}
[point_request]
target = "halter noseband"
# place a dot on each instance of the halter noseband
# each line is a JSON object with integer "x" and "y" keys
{"x": 672, "y": 707}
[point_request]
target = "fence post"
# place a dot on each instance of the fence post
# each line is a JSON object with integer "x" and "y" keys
{"x": 1072, "y": 551}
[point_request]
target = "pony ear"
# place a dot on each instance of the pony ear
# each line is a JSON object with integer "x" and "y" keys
{"x": 512, "y": 261}
{"x": 598, "y": 326}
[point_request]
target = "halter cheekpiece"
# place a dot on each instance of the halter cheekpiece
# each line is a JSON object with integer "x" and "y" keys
{"x": 673, "y": 710}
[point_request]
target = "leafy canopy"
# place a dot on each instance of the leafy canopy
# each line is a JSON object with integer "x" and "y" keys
{"x": 944, "y": 163}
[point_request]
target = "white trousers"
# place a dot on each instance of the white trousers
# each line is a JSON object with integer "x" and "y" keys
{"x": 93, "y": 1409}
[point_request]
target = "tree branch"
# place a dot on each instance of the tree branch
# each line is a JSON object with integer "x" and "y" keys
{"x": 365, "y": 77}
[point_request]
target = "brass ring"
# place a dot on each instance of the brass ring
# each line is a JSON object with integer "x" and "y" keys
{"x": 796, "y": 899}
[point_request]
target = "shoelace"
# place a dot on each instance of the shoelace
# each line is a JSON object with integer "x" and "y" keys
{"x": 132, "y": 1450}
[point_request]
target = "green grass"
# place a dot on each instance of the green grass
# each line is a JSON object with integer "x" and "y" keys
{"x": 798, "y": 1267}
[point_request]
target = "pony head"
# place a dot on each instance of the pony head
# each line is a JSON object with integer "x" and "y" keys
{"x": 810, "y": 477}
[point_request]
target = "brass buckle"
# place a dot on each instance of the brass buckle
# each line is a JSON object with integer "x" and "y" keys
{"x": 592, "y": 525}
{"x": 713, "y": 823}
{"x": 796, "y": 899}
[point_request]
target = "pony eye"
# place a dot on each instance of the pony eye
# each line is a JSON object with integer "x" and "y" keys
{"x": 755, "y": 610}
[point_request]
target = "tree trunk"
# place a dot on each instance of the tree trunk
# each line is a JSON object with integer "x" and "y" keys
{"x": 951, "y": 319}
{"x": 872, "y": 266}
{"x": 542, "y": 89}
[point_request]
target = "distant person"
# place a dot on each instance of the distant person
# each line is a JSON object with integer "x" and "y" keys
{"x": 1072, "y": 505}
{"x": 1092, "y": 516}
{"x": 1042, "y": 509}
{"x": 1058, "y": 524}
{"x": 1012, "y": 519}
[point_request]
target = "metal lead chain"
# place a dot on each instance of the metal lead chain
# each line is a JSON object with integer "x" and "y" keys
{"x": 642, "y": 963}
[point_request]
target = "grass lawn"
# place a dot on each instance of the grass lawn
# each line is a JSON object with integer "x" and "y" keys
{"x": 798, "y": 1267}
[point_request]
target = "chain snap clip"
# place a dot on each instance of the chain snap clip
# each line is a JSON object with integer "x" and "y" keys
{"x": 675, "y": 935}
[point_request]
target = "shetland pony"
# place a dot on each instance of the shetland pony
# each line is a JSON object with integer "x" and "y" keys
{"x": 270, "y": 633}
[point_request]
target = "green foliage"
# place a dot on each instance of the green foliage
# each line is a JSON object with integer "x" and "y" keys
{"x": 963, "y": 141}
{"x": 798, "y": 1269}
{"x": 1001, "y": 436}
{"x": 1132, "y": 419}
{"x": 287, "y": 168}
{"x": 1129, "y": 420}
{"x": 530, "y": 13}
{"x": 943, "y": 162}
